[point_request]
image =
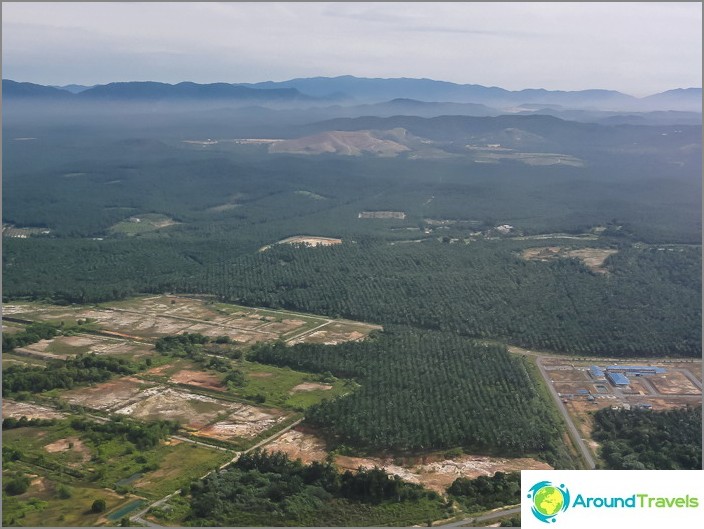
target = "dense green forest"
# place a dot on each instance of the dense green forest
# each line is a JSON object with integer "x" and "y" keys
{"x": 271, "y": 490}
{"x": 648, "y": 305}
{"x": 639, "y": 439}
{"x": 67, "y": 374}
{"x": 228, "y": 200}
{"x": 426, "y": 389}
{"x": 487, "y": 492}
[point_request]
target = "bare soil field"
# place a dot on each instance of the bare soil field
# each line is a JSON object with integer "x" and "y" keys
{"x": 22, "y": 233}
{"x": 348, "y": 143}
{"x": 307, "y": 240}
{"x": 189, "y": 409}
{"x": 437, "y": 473}
{"x": 674, "y": 383}
{"x": 11, "y": 408}
{"x": 336, "y": 332}
{"x": 637, "y": 387}
{"x": 146, "y": 318}
{"x": 431, "y": 470}
{"x": 245, "y": 422}
{"x": 107, "y": 396}
{"x": 593, "y": 258}
{"x": 381, "y": 215}
{"x": 72, "y": 444}
{"x": 300, "y": 443}
{"x": 197, "y": 378}
{"x": 571, "y": 375}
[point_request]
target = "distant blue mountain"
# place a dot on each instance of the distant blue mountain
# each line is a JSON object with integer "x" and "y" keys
{"x": 424, "y": 96}
{"x": 74, "y": 88}
{"x": 13, "y": 89}
{"x": 678, "y": 99}
{"x": 192, "y": 91}
{"x": 375, "y": 90}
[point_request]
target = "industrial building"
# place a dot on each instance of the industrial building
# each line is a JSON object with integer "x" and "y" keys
{"x": 617, "y": 379}
{"x": 596, "y": 372}
{"x": 637, "y": 370}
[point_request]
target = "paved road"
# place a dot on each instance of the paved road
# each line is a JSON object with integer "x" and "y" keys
{"x": 484, "y": 517}
{"x": 571, "y": 428}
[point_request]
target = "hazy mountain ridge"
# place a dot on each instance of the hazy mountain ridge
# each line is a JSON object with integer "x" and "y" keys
{"x": 354, "y": 91}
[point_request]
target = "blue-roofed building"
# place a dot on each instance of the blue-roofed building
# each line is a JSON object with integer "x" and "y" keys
{"x": 596, "y": 372}
{"x": 617, "y": 379}
{"x": 582, "y": 392}
{"x": 638, "y": 370}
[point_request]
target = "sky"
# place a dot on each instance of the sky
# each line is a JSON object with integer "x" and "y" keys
{"x": 637, "y": 48}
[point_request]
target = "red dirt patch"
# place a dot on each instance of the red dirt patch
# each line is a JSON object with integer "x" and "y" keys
{"x": 300, "y": 443}
{"x": 197, "y": 378}
{"x": 73, "y": 444}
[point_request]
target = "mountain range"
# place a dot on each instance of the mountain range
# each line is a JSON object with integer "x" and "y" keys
{"x": 403, "y": 93}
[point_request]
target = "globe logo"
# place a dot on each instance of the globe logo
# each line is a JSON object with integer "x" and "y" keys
{"x": 548, "y": 500}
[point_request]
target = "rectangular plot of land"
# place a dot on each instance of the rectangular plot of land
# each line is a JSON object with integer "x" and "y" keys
{"x": 283, "y": 327}
{"x": 108, "y": 395}
{"x": 674, "y": 383}
{"x": 336, "y": 332}
{"x": 381, "y": 215}
{"x": 189, "y": 409}
{"x": 245, "y": 422}
{"x": 11, "y": 408}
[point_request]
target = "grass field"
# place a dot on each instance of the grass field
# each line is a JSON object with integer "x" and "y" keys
{"x": 179, "y": 464}
{"x": 278, "y": 385}
{"x": 44, "y": 504}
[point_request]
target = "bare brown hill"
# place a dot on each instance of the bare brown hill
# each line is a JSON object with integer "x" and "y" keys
{"x": 350, "y": 143}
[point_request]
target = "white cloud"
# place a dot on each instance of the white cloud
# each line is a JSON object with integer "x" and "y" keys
{"x": 637, "y": 48}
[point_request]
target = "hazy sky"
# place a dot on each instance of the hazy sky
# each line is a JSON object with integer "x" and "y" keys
{"x": 637, "y": 48}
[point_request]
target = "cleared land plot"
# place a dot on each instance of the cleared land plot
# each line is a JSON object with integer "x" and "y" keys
{"x": 72, "y": 447}
{"x": 348, "y": 143}
{"x": 300, "y": 443}
{"x": 189, "y": 409}
{"x": 245, "y": 422}
{"x": 673, "y": 383}
{"x": 306, "y": 240}
{"x": 433, "y": 470}
{"x": 148, "y": 318}
{"x": 108, "y": 396}
{"x": 13, "y": 232}
{"x": 11, "y": 408}
{"x": 336, "y": 332}
{"x": 593, "y": 258}
{"x": 200, "y": 379}
{"x": 142, "y": 224}
{"x": 528, "y": 158}
{"x": 381, "y": 215}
